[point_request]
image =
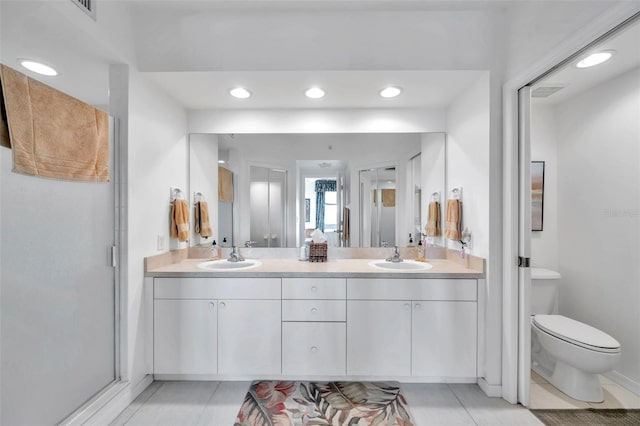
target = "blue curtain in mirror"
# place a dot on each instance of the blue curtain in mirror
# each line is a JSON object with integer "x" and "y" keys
{"x": 322, "y": 186}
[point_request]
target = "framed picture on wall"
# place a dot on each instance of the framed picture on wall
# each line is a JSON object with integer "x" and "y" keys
{"x": 307, "y": 209}
{"x": 537, "y": 195}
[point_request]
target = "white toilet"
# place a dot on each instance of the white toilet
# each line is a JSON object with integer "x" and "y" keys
{"x": 567, "y": 353}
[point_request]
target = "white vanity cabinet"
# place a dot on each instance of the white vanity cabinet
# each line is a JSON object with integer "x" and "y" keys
{"x": 314, "y": 326}
{"x": 185, "y": 336}
{"x": 412, "y": 327}
{"x": 216, "y": 326}
{"x": 379, "y": 338}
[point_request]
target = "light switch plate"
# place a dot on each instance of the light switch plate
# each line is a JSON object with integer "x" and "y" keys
{"x": 160, "y": 242}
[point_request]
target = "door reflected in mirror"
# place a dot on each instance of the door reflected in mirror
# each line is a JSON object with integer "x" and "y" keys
{"x": 378, "y": 207}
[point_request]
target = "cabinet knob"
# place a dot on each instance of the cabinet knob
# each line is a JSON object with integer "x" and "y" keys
{"x": 407, "y": 305}
{"x": 314, "y": 289}
{"x": 418, "y": 306}
{"x": 211, "y": 304}
{"x": 222, "y": 304}
{"x": 314, "y": 349}
{"x": 314, "y": 310}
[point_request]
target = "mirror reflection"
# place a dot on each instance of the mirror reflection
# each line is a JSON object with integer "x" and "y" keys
{"x": 361, "y": 190}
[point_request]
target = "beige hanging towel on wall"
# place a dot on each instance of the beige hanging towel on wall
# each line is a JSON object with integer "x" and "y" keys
{"x": 52, "y": 134}
{"x": 203, "y": 227}
{"x": 433, "y": 220}
{"x": 225, "y": 185}
{"x": 453, "y": 219}
{"x": 388, "y": 198}
{"x": 180, "y": 220}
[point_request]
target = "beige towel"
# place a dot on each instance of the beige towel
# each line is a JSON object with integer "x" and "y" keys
{"x": 52, "y": 134}
{"x": 345, "y": 224}
{"x": 388, "y": 198}
{"x": 433, "y": 220}
{"x": 453, "y": 219}
{"x": 203, "y": 227}
{"x": 180, "y": 220}
{"x": 225, "y": 185}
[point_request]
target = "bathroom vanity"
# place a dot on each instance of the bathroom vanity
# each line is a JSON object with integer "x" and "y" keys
{"x": 335, "y": 320}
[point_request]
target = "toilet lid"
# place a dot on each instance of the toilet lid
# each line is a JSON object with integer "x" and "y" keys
{"x": 577, "y": 333}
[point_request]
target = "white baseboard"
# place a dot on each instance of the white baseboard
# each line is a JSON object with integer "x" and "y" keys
{"x": 493, "y": 391}
{"x": 624, "y": 381}
{"x": 105, "y": 409}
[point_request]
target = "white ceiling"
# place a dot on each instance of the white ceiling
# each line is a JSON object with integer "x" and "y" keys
{"x": 344, "y": 89}
{"x": 626, "y": 43}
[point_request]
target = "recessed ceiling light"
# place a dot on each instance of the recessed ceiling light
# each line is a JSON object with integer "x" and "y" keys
{"x": 221, "y": 161}
{"x": 390, "y": 92}
{"x": 240, "y": 93}
{"x": 314, "y": 93}
{"x": 595, "y": 59}
{"x": 37, "y": 67}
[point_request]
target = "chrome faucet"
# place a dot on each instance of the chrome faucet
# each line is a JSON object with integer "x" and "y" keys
{"x": 395, "y": 258}
{"x": 235, "y": 256}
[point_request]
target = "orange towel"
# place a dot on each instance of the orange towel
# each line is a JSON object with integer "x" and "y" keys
{"x": 180, "y": 220}
{"x": 453, "y": 219}
{"x": 203, "y": 227}
{"x": 346, "y": 225}
{"x": 433, "y": 220}
{"x": 52, "y": 134}
{"x": 388, "y": 197}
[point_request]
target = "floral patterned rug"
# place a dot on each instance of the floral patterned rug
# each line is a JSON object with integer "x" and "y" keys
{"x": 275, "y": 403}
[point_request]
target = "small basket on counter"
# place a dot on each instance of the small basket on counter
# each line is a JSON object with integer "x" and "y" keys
{"x": 317, "y": 252}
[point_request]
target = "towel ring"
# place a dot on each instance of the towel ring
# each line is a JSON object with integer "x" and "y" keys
{"x": 456, "y": 193}
{"x": 435, "y": 196}
{"x": 176, "y": 194}
{"x": 197, "y": 197}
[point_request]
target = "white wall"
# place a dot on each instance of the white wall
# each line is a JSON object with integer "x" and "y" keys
{"x": 468, "y": 162}
{"x": 318, "y": 121}
{"x": 544, "y": 244}
{"x": 158, "y": 156}
{"x": 598, "y": 134}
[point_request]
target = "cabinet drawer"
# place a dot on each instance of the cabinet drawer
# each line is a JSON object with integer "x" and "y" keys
{"x": 314, "y": 310}
{"x": 314, "y": 288}
{"x": 411, "y": 289}
{"x": 314, "y": 348}
{"x": 216, "y": 288}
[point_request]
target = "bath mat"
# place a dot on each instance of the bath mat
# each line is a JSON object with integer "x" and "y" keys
{"x": 276, "y": 403}
{"x": 590, "y": 416}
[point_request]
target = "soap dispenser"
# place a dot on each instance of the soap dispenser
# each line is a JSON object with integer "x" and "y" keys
{"x": 420, "y": 252}
{"x": 215, "y": 250}
{"x": 410, "y": 241}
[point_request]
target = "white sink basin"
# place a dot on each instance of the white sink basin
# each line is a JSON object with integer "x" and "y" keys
{"x": 405, "y": 265}
{"x": 225, "y": 265}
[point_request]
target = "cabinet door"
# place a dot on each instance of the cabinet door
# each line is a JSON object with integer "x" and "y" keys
{"x": 249, "y": 337}
{"x": 378, "y": 338}
{"x": 444, "y": 339}
{"x": 185, "y": 337}
{"x": 314, "y": 348}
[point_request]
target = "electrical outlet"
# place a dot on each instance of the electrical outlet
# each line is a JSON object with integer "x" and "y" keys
{"x": 160, "y": 242}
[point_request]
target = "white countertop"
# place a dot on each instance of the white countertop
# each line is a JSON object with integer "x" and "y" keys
{"x": 350, "y": 268}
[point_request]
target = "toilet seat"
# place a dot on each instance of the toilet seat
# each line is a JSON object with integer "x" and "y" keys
{"x": 576, "y": 333}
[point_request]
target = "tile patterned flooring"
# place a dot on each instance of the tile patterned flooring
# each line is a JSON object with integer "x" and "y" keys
{"x": 545, "y": 395}
{"x": 217, "y": 404}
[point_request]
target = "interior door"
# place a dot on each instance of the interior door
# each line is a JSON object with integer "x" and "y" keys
{"x": 524, "y": 245}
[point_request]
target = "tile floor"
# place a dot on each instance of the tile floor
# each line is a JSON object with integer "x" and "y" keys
{"x": 217, "y": 403}
{"x": 545, "y": 395}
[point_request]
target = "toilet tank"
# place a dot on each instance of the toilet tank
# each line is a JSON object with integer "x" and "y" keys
{"x": 544, "y": 291}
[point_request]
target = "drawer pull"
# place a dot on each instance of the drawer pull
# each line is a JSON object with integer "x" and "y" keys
{"x": 418, "y": 306}
{"x": 211, "y": 304}
{"x": 222, "y": 304}
{"x": 407, "y": 305}
{"x": 314, "y": 310}
{"x": 314, "y": 349}
{"x": 314, "y": 289}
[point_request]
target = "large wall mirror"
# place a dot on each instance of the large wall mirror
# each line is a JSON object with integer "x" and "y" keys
{"x": 361, "y": 190}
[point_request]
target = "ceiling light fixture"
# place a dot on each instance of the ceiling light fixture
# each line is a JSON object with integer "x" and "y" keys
{"x": 595, "y": 59}
{"x": 314, "y": 93}
{"x": 240, "y": 93}
{"x": 37, "y": 67}
{"x": 390, "y": 91}
{"x": 221, "y": 161}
